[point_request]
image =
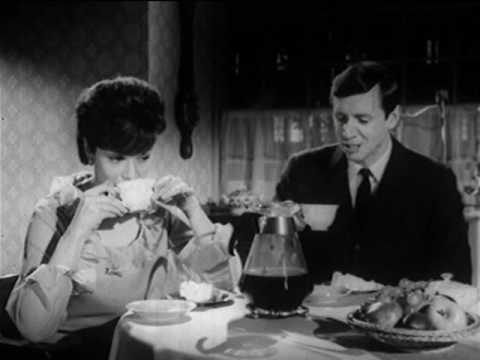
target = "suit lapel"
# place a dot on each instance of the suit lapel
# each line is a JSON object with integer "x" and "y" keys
{"x": 395, "y": 172}
{"x": 338, "y": 181}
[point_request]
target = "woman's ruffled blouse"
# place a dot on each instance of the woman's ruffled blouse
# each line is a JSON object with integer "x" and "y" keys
{"x": 137, "y": 256}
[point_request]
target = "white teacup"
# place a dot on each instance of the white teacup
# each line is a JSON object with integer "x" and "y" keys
{"x": 319, "y": 216}
{"x": 136, "y": 194}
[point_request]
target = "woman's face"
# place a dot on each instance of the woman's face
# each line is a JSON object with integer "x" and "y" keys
{"x": 115, "y": 167}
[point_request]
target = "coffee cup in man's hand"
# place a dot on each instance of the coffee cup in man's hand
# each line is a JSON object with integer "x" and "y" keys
{"x": 319, "y": 216}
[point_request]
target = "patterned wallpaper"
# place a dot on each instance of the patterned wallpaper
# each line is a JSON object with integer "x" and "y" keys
{"x": 64, "y": 47}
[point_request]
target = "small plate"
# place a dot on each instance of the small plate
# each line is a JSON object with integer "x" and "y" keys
{"x": 219, "y": 297}
{"x": 410, "y": 340}
{"x": 160, "y": 310}
{"x": 325, "y": 294}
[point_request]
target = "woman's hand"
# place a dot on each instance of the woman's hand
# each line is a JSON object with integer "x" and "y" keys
{"x": 100, "y": 203}
{"x": 173, "y": 190}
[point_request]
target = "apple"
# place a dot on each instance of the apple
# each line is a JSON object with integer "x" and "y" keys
{"x": 419, "y": 321}
{"x": 414, "y": 298}
{"x": 389, "y": 294}
{"x": 385, "y": 314}
{"x": 413, "y": 301}
{"x": 444, "y": 314}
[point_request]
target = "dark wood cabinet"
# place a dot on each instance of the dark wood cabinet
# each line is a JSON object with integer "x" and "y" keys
{"x": 288, "y": 57}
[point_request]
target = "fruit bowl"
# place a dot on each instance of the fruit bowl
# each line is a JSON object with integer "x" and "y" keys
{"x": 414, "y": 340}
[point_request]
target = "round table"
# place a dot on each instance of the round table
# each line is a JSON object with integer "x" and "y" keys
{"x": 226, "y": 332}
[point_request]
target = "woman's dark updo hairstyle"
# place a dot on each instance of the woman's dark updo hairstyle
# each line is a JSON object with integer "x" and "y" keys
{"x": 124, "y": 115}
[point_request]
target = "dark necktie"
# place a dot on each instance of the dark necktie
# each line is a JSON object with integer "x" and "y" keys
{"x": 364, "y": 191}
{"x": 360, "y": 217}
{"x": 362, "y": 201}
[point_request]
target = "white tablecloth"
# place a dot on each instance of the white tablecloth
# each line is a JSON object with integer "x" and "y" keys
{"x": 225, "y": 333}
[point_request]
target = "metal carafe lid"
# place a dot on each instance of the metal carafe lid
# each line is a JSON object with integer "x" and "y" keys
{"x": 279, "y": 225}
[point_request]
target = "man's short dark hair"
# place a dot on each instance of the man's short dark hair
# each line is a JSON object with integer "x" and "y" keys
{"x": 123, "y": 115}
{"x": 361, "y": 77}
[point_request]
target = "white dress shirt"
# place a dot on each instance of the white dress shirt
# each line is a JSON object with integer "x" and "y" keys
{"x": 377, "y": 169}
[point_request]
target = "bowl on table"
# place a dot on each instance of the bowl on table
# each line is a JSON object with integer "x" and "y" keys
{"x": 412, "y": 340}
{"x": 160, "y": 310}
{"x": 414, "y": 316}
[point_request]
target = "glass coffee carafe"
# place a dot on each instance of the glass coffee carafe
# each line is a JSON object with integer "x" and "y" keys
{"x": 275, "y": 276}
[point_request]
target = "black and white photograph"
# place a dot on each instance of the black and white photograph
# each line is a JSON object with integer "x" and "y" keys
{"x": 233, "y": 180}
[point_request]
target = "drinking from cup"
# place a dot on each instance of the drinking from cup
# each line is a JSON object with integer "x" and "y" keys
{"x": 136, "y": 194}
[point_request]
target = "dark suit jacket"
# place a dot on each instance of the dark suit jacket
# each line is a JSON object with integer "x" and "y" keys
{"x": 416, "y": 228}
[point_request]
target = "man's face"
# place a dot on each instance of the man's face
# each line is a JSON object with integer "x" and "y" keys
{"x": 361, "y": 126}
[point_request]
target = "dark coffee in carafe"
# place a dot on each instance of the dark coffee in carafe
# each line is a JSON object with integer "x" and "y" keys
{"x": 279, "y": 290}
{"x": 275, "y": 276}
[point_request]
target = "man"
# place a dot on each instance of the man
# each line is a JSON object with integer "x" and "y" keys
{"x": 399, "y": 214}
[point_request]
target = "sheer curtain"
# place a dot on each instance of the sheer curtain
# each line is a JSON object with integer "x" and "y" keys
{"x": 255, "y": 144}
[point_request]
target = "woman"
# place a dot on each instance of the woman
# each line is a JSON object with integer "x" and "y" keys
{"x": 103, "y": 256}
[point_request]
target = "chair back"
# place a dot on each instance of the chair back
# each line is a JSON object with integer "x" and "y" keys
{"x": 7, "y": 327}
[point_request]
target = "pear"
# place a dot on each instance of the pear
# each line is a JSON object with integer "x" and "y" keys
{"x": 386, "y": 314}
